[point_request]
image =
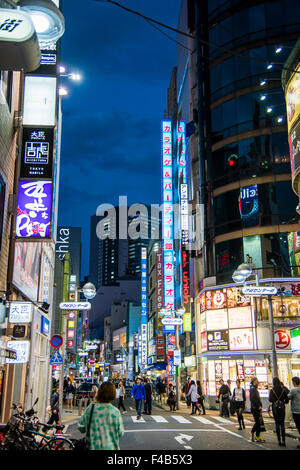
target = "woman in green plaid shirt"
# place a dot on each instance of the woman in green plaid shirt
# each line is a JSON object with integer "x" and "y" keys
{"x": 106, "y": 425}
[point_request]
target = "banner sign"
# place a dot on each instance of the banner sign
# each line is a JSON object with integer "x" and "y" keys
{"x": 20, "y": 312}
{"x": 159, "y": 289}
{"x": 34, "y": 209}
{"x": 218, "y": 341}
{"x": 22, "y": 350}
{"x": 37, "y": 152}
{"x": 172, "y": 321}
{"x": 259, "y": 290}
{"x": 187, "y": 322}
{"x": 144, "y": 308}
{"x": 75, "y": 306}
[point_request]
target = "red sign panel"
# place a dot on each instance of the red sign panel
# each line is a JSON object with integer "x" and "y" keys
{"x": 282, "y": 339}
{"x": 160, "y": 345}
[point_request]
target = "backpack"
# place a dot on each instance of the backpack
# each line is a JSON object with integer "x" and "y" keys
{"x": 279, "y": 404}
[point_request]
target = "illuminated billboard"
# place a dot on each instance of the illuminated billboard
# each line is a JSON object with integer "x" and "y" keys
{"x": 292, "y": 97}
{"x": 39, "y": 101}
{"x": 144, "y": 308}
{"x": 34, "y": 209}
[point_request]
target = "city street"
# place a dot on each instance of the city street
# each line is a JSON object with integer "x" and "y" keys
{"x": 180, "y": 431}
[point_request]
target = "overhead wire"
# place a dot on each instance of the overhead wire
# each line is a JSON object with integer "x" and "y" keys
{"x": 207, "y": 43}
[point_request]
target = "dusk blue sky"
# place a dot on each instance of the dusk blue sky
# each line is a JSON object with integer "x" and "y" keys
{"x": 111, "y": 120}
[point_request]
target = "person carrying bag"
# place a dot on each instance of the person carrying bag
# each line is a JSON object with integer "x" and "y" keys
{"x": 84, "y": 443}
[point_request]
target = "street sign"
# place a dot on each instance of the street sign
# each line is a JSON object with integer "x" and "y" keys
{"x": 92, "y": 361}
{"x": 172, "y": 321}
{"x": 56, "y": 341}
{"x": 177, "y": 357}
{"x": 56, "y": 359}
{"x": 75, "y": 306}
{"x": 259, "y": 290}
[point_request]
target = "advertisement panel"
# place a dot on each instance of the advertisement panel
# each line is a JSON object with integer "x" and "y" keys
{"x": 248, "y": 205}
{"x": 160, "y": 345}
{"x": 22, "y": 349}
{"x": 144, "y": 308}
{"x": 218, "y": 341}
{"x": 39, "y": 101}
{"x": 283, "y": 339}
{"x": 26, "y": 268}
{"x": 203, "y": 342}
{"x": 187, "y": 322}
{"x": 292, "y": 96}
{"x": 240, "y": 317}
{"x": 20, "y": 312}
{"x": 186, "y": 288}
{"x": 216, "y": 320}
{"x": 236, "y": 299}
{"x": 34, "y": 209}
{"x": 37, "y": 152}
{"x": 159, "y": 289}
{"x": 295, "y": 339}
{"x": 294, "y": 143}
{"x": 215, "y": 299}
{"x": 241, "y": 339}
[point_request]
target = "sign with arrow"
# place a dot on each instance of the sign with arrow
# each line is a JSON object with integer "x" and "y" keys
{"x": 181, "y": 438}
{"x": 56, "y": 359}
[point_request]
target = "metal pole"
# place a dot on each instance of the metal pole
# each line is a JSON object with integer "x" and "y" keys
{"x": 177, "y": 368}
{"x": 274, "y": 355}
{"x": 61, "y": 377}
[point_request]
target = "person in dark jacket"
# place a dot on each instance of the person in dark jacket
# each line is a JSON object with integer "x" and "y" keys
{"x": 256, "y": 410}
{"x": 239, "y": 401}
{"x": 161, "y": 388}
{"x": 54, "y": 404}
{"x": 224, "y": 394}
{"x": 70, "y": 390}
{"x": 187, "y": 387}
{"x": 279, "y": 397}
{"x": 139, "y": 394}
{"x": 171, "y": 398}
{"x": 200, "y": 398}
{"x": 148, "y": 401}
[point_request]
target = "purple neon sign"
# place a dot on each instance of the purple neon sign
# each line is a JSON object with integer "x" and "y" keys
{"x": 34, "y": 209}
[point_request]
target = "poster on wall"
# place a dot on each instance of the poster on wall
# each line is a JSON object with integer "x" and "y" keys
{"x": 236, "y": 299}
{"x": 216, "y": 299}
{"x": 241, "y": 340}
{"x": 26, "y": 268}
{"x": 203, "y": 342}
{"x": 202, "y": 302}
{"x": 248, "y": 205}
{"x": 34, "y": 209}
{"x": 252, "y": 251}
{"x": 216, "y": 320}
{"x": 37, "y": 152}
{"x": 240, "y": 317}
{"x": 217, "y": 340}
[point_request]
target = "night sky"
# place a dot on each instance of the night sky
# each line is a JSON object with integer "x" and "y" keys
{"x": 111, "y": 120}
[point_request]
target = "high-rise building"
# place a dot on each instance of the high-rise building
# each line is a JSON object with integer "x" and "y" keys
{"x": 229, "y": 94}
{"x": 69, "y": 241}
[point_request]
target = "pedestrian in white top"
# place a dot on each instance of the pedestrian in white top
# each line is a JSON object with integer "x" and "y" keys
{"x": 193, "y": 392}
{"x": 239, "y": 401}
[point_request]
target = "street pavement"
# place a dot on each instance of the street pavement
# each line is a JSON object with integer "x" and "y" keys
{"x": 179, "y": 431}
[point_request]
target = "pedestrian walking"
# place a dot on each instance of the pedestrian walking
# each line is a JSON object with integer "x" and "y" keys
{"x": 294, "y": 396}
{"x": 139, "y": 394}
{"x": 53, "y": 408}
{"x": 70, "y": 390}
{"x": 200, "y": 396}
{"x": 161, "y": 389}
{"x": 224, "y": 394}
{"x": 186, "y": 392}
{"x": 171, "y": 398}
{"x": 194, "y": 397}
{"x": 148, "y": 401}
{"x": 106, "y": 425}
{"x": 279, "y": 397}
{"x": 121, "y": 396}
{"x": 239, "y": 403}
{"x": 256, "y": 410}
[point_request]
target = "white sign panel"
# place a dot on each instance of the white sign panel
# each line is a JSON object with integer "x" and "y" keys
{"x": 15, "y": 25}
{"x": 259, "y": 290}
{"x": 172, "y": 321}
{"x": 240, "y": 317}
{"x": 216, "y": 319}
{"x": 22, "y": 349}
{"x": 75, "y": 306}
{"x": 20, "y": 312}
{"x": 241, "y": 340}
{"x": 39, "y": 101}
{"x": 177, "y": 357}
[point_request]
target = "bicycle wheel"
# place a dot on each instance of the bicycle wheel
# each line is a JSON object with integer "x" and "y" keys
{"x": 60, "y": 443}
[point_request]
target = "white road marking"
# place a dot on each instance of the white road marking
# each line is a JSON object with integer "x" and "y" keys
{"x": 222, "y": 420}
{"x": 203, "y": 420}
{"x": 181, "y": 419}
{"x": 135, "y": 420}
{"x": 175, "y": 430}
{"x": 159, "y": 419}
{"x": 183, "y": 437}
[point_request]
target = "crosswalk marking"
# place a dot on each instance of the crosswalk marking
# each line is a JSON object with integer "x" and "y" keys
{"x": 135, "y": 420}
{"x": 181, "y": 419}
{"x": 222, "y": 420}
{"x": 202, "y": 420}
{"x": 159, "y": 419}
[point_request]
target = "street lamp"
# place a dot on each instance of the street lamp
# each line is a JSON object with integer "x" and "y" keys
{"x": 243, "y": 272}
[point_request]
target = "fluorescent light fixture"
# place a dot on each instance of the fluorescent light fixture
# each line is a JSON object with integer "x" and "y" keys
{"x": 280, "y": 119}
{"x": 62, "y": 91}
{"x": 47, "y": 18}
{"x": 279, "y": 49}
{"x": 263, "y": 97}
{"x": 269, "y": 110}
{"x": 62, "y": 69}
{"x": 270, "y": 66}
{"x": 263, "y": 82}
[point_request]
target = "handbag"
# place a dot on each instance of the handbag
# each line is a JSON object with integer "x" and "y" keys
{"x": 262, "y": 424}
{"x": 84, "y": 444}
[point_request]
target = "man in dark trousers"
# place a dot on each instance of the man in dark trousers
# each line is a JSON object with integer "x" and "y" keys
{"x": 224, "y": 395}
{"x": 138, "y": 393}
{"x": 186, "y": 391}
{"x": 148, "y": 401}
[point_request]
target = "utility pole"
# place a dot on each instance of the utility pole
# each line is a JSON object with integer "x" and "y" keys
{"x": 177, "y": 369}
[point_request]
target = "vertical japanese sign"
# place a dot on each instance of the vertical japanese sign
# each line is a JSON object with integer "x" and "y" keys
{"x": 144, "y": 308}
{"x": 159, "y": 290}
{"x": 168, "y": 219}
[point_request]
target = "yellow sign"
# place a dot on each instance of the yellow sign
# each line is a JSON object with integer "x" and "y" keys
{"x": 292, "y": 97}
{"x": 187, "y": 322}
{"x": 71, "y": 324}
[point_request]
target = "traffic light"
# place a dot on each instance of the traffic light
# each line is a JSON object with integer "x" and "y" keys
{"x": 232, "y": 160}
{"x": 265, "y": 165}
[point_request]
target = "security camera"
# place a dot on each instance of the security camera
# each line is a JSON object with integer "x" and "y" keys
{"x": 298, "y": 208}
